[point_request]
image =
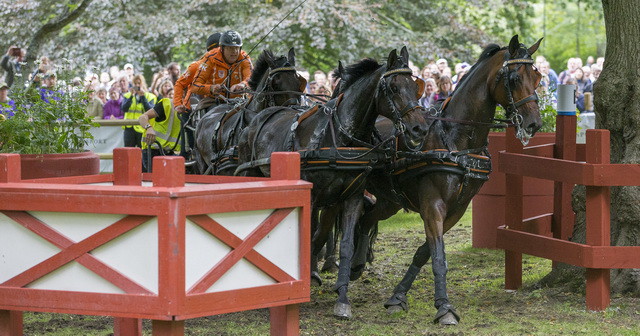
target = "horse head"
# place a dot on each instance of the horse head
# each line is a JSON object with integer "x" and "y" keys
{"x": 275, "y": 79}
{"x": 515, "y": 84}
{"x": 399, "y": 94}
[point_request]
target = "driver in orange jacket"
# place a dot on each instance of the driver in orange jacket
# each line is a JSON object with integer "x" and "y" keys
{"x": 181, "y": 90}
{"x": 225, "y": 70}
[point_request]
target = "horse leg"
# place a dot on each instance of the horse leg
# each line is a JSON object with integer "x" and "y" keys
{"x": 398, "y": 301}
{"x": 322, "y": 224}
{"x": 433, "y": 211}
{"x": 446, "y": 314}
{"x": 351, "y": 211}
{"x": 367, "y": 225}
{"x": 328, "y": 220}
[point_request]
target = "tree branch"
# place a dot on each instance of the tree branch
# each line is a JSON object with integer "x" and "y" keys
{"x": 52, "y": 26}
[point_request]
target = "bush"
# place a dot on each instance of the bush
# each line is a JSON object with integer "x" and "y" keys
{"x": 45, "y": 122}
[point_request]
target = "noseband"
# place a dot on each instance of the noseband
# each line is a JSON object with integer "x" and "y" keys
{"x": 398, "y": 114}
{"x": 512, "y": 105}
{"x": 269, "y": 85}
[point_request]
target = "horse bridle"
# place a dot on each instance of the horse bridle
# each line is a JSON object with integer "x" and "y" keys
{"x": 398, "y": 114}
{"x": 269, "y": 86}
{"x": 512, "y": 105}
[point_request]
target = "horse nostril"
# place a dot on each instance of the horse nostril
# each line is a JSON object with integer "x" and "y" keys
{"x": 420, "y": 130}
{"x": 533, "y": 127}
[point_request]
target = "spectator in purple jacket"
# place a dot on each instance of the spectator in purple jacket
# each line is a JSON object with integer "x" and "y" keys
{"x": 111, "y": 110}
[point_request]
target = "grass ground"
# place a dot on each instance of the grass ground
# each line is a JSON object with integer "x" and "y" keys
{"x": 475, "y": 284}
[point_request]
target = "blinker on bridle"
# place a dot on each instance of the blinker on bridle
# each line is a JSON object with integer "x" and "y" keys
{"x": 512, "y": 106}
{"x": 398, "y": 113}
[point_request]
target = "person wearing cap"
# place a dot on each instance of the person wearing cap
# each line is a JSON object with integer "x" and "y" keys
{"x": 7, "y": 105}
{"x": 128, "y": 69}
{"x": 442, "y": 64}
{"x": 225, "y": 70}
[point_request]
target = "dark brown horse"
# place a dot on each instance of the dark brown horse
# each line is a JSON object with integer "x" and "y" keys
{"x": 440, "y": 182}
{"x": 275, "y": 83}
{"x": 326, "y": 139}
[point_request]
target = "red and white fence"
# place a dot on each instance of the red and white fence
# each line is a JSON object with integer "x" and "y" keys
{"x": 163, "y": 246}
{"x": 547, "y": 235}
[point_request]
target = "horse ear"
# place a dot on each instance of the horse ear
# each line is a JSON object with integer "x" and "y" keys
{"x": 535, "y": 46}
{"x": 340, "y": 69}
{"x": 292, "y": 57}
{"x": 393, "y": 56}
{"x": 404, "y": 55}
{"x": 514, "y": 45}
{"x": 269, "y": 58}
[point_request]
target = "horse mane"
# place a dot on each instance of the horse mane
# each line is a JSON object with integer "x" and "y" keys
{"x": 262, "y": 65}
{"x": 487, "y": 53}
{"x": 356, "y": 71}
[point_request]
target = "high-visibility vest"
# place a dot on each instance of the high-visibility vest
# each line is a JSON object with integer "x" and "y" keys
{"x": 168, "y": 130}
{"x": 137, "y": 109}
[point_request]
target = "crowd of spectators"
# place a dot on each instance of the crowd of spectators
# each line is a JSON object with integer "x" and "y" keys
{"x": 111, "y": 90}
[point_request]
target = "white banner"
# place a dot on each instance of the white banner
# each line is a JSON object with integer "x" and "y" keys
{"x": 108, "y": 136}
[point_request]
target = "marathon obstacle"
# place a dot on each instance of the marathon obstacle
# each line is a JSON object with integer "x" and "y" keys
{"x": 163, "y": 246}
{"x": 547, "y": 235}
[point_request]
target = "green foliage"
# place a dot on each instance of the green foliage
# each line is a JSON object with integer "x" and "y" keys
{"x": 57, "y": 124}
{"x": 569, "y": 31}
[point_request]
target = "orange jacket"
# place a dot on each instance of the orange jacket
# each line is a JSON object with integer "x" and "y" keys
{"x": 214, "y": 70}
{"x": 181, "y": 90}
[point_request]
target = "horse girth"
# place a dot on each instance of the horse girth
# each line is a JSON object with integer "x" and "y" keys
{"x": 465, "y": 163}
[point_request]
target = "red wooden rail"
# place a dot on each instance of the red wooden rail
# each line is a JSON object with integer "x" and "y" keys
{"x": 546, "y": 235}
{"x": 169, "y": 202}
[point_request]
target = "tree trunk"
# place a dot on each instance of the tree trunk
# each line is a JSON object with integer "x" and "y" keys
{"x": 617, "y": 107}
{"x": 52, "y": 26}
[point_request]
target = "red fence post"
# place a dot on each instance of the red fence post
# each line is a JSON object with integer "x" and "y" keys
{"x": 11, "y": 322}
{"x": 168, "y": 171}
{"x": 598, "y": 221}
{"x": 10, "y": 168}
{"x": 285, "y": 166}
{"x": 127, "y": 166}
{"x": 167, "y": 328}
{"x": 127, "y": 163}
{"x": 513, "y": 214}
{"x": 285, "y": 320}
{"x": 123, "y": 326}
{"x": 565, "y": 149}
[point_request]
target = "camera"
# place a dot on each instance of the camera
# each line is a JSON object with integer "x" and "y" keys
{"x": 136, "y": 89}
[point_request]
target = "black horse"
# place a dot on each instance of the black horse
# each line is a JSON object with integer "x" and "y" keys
{"x": 440, "y": 182}
{"x": 275, "y": 82}
{"x": 324, "y": 136}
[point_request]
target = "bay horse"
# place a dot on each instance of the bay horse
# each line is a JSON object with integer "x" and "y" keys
{"x": 275, "y": 83}
{"x": 334, "y": 143}
{"x": 440, "y": 182}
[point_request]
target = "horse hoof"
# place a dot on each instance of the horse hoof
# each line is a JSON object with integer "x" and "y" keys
{"x": 397, "y": 303}
{"x": 448, "y": 319}
{"x": 316, "y": 281}
{"x": 342, "y": 310}
{"x": 394, "y": 309}
{"x": 330, "y": 266}
{"x": 356, "y": 272}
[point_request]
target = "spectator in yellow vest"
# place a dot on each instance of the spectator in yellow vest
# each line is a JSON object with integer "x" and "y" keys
{"x": 162, "y": 130}
{"x": 134, "y": 103}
